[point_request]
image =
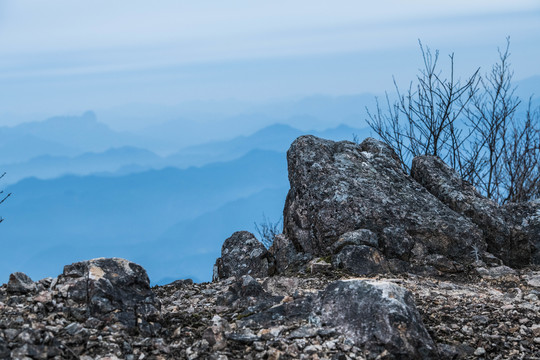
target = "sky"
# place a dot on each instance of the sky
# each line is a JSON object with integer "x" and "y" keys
{"x": 66, "y": 56}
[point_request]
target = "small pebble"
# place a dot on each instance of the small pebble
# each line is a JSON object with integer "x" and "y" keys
{"x": 480, "y": 351}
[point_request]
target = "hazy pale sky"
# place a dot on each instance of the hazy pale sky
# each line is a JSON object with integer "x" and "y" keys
{"x": 66, "y": 56}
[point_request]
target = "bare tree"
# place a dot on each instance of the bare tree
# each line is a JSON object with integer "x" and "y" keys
{"x": 268, "y": 230}
{"x": 3, "y": 196}
{"x": 471, "y": 125}
{"x": 490, "y": 115}
{"x": 521, "y": 166}
{"x": 423, "y": 121}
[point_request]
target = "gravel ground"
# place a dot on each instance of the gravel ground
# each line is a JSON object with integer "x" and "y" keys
{"x": 472, "y": 318}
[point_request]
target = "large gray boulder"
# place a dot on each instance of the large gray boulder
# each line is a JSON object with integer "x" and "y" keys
{"x": 113, "y": 290}
{"x": 377, "y": 316}
{"x": 339, "y": 187}
{"x": 242, "y": 254}
{"x": 511, "y": 231}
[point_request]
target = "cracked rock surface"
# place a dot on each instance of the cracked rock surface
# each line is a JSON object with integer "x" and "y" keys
{"x": 341, "y": 187}
{"x": 303, "y": 317}
{"x": 511, "y": 231}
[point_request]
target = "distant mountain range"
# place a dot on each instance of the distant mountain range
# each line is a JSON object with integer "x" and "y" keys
{"x": 189, "y": 122}
{"x": 111, "y": 215}
{"x": 188, "y": 125}
{"x": 276, "y": 137}
{"x": 128, "y": 159}
{"x": 110, "y": 161}
{"x": 166, "y": 196}
{"x": 190, "y": 248}
{"x": 59, "y": 136}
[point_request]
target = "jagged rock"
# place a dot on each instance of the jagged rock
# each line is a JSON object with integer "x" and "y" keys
{"x": 288, "y": 259}
{"x": 243, "y": 254}
{"x": 339, "y": 187}
{"x": 524, "y": 222}
{"x": 360, "y": 260}
{"x": 380, "y": 317}
{"x": 505, "y": 229}
{"x": 20, "y": 283}
{"x": 110, "y": 289}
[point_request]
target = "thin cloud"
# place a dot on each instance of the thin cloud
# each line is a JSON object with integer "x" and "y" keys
{"x": 103, "y": 53}
{"x": 60, "y": 25}
{"x": 312, "y": 37}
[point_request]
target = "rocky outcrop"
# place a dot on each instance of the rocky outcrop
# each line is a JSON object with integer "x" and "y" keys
{"x": 511, "y": 231}
{"x": 20, "y": 283}
{"x": 352, "y": 206}
{"x": 68, "y": 317}
{"x": 243, "y": 254}
{"x": 112, "y": 290}
{"x": 524, "y": 221}
{"x": 350, "y": 211}
{"x": 342, "y": 187}
{"x": 378, "y": 317}
{"x": 281, "y": 318}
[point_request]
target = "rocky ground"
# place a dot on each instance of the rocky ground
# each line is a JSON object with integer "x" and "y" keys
{"x": 467, "y": 318}
{"x": 495, "y": 317}
{"x": 372, "y": 263}
{"x": 481, "y": 318}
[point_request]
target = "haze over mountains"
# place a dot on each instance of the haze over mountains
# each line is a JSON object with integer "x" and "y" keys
{"x": 164, "y": 195}
{"x": 96, "y": 215}
{"x": 62, "y": 159}
{"x": 81, "y": 189}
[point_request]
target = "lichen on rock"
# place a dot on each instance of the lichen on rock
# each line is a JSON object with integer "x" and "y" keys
{"x": 339, "y": 187}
